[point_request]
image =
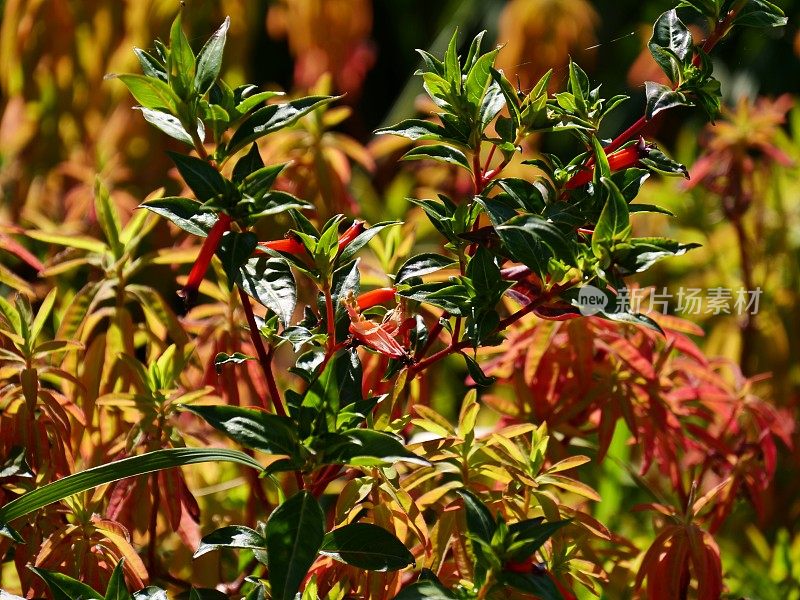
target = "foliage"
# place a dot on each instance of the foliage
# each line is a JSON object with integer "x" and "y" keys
{"x": 314, "y": 353}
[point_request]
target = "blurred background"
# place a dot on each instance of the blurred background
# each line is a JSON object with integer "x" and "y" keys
{"x": 62, "y": 123}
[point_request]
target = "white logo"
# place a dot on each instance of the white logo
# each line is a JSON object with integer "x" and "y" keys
{"x": 591, "y": 300}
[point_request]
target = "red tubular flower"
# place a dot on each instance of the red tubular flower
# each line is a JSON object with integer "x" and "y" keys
{"x": 207, "y": 251}
{"x": 621, "y": 159}
{"x": 290, "y": 245}
{"x": 522, "y": 567}
{"x": 352, "y": 233}
{"x": 287, "y": 245}
{"x": 375, "y": 297}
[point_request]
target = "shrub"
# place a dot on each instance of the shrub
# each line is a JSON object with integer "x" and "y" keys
{"x": 356, "y": 483}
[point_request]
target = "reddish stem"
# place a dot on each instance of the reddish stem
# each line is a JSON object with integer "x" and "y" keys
{"x": 638, "y": 127}
{"x": 489, "y": 158}
{"x": 433, "y": 335}
{"x": 456, "y": 346}
{"x": 265, "y": 360}
{"x": 264, "y": 355}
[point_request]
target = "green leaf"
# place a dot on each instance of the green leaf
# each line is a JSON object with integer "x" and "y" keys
{"x": 235, "y": 249}
{"x": 108, "y": 218}
{"x": 233, "y": 536}
{"x": 421, "y": 265}
{"x": 367, "y": 547}
{"x": 237, "y": 358}
{"x": 452, "y": 66}
{"x": 474, "y": 51}
{"x": 117, "y": 590}
{"x": 186, "y": 213}
{"x": 250, "y": 102}
{"x": 181, "y": 61}
{"x": 270, "y": 281}
{"x": 484, "y": 273}
{"x": 415, "y": 129}
{"x": 638, "y": 319}
{"x": 493, "y": 102}
{"x": 151, "y": 592}
{"x": 209, "y": 61}
{"x": 525, "y": 194}
{"x": 425, "y": 590}
{"x": 16, "y": 465}
{"x": 601, "y": 160}
{"x": 761, "y": 13}
{"x": 533, "y": 241}
{"x": 203, "y": 179}
{"x": 295, "y": 531}
{"x": 440, "y": 213}
{"x": 478, "y": 376}
{"x": 439, "y": 152}
{"x": 258, "y": 182}
{"x": 270, "y": 203}
{"x": 479, "y": 520}
{"x": 367, "y": 447}
{"x": 64, "y": 587}
{"x": 151, "y": 66}
{"x": 202, "y": 594}
{"x": 248, "y": 164}
{"x": 454, "y": 297}
{"x": 708, "y": 8}
{"x": 361, "y": 240}
{"x": 708, "y": 96}
{"x": 150, "y": 92}
{"x": 614, "y": 224}
{"x": 661, "y": 97}
{"x": 658, "y": 161}
{"x": 639, "y": 254}
{"x": 529, "y": 535}
{"x": 670, "y": 44}
{"x": 141, "y": 464}
{"x": 539, "y": 585}
{"x": 649, "y": 208}
{"x": 479, "y": 79}
{"x": 510, "y": 94}
{"x": 273, "y": 117}
{"x": 257, "y": 593}
{"x": 167, "y": 123}
{"x": 252, "y": 427}
{"x": 10, "y": 533}
{"x": 578, "y": 87}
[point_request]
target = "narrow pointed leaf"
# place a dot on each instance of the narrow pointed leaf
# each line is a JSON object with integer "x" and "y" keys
{"x": 203, "y": 179}
{"x": 117, "y": 590}
{"x": 271, "y": 282}
{"x": 64, "y": 587}
{"x": 439, "y": 152}
{"x": 368, "y": 547}
{"x": 295, "y": 532}
{"x": 233, "y": 536}
{"x": 142, "y": 464}
{"x": 251, "y": 427}
{"x": 209, "y": 61}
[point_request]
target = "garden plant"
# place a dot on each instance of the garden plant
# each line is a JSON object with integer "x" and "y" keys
{"x": 275, "y": 433}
